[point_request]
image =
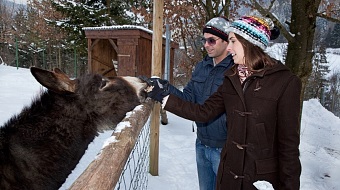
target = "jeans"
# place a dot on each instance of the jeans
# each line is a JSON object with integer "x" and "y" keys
{"x": 207, "y": 159}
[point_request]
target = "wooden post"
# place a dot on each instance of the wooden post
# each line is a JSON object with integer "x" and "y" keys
{"x": 156, "y": 70}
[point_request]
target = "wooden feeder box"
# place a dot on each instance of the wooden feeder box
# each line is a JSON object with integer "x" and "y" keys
{"x": 123, "y": 51}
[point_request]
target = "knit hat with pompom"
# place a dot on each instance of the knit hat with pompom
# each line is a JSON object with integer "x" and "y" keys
{"x": 257, "y": 30}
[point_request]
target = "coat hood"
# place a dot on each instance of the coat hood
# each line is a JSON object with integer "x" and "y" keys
{"x": 279, "y": 66}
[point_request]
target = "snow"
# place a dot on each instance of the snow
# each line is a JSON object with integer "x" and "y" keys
{"x": 23, "y": 2}
{"x": 119, "y": 27}
{"x": 263, "y": 185}
{"x": 320, "y": 142}
{"x": 333, "y": 56}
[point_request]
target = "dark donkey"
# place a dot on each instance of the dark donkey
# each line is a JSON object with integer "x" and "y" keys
{"x": 42, "y": 145}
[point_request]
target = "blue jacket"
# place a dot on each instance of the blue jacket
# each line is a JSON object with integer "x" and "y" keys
{"x": 204, "y": 82}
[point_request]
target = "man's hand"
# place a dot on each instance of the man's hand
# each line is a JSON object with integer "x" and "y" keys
{"x": 158, "y": 88}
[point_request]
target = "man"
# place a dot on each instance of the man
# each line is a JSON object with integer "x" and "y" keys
{"x": 206, "y": 78}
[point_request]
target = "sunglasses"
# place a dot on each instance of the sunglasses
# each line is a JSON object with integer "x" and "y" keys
{"x": 211, "y": 41}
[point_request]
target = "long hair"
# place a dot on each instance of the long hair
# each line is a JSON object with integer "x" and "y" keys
{"x": 254, "y": 57}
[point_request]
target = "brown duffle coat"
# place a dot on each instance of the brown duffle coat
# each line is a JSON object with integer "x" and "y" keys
{"x": 263, "y": 123}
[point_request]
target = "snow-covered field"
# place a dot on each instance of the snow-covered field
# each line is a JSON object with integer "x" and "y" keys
{"x": 320, "y": 142}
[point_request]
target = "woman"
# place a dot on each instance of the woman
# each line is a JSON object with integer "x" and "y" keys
{"x": 261, "y": 97}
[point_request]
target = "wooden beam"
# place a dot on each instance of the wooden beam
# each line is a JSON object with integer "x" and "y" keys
{"x": 156, "y": 70}
{"x": 94, "y": 43}
{"x": 115, "y": 47}
{"x": 103, "y": 172}
{"x": 89, "y": 55}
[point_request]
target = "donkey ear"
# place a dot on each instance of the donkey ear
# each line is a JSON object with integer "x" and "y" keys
{"x": 57, "y": 81}
{"x": 58, "y": 71}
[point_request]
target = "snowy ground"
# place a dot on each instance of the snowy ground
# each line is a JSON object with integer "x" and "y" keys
{"x": 320, "y": 140}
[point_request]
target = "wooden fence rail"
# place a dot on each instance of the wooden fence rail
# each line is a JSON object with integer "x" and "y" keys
{"x": 103, "y": 173}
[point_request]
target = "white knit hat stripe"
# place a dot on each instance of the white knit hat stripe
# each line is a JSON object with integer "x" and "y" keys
{"x": 248, "y": 38}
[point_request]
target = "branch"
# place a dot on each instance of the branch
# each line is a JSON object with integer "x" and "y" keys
{"x": 206, "y": 8}
{"x": 321, "y": 15}
{"x": 225, "y": 9}
{"x": 267, "y": 13}
{"x": 271, "y": 4}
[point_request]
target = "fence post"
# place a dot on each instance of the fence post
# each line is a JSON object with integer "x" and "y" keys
{"x": 156, "y": 70}
{"x": 167, "y": 53}
{"x": 16, "y": 52}
{"x": 75, "y": 62}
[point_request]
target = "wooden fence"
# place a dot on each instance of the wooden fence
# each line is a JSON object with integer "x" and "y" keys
{"x": 104, "y": 172}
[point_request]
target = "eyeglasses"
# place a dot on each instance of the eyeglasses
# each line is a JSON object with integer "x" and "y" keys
{"x": 211, "y": 41}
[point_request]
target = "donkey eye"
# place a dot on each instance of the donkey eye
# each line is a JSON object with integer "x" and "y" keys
{"x": 103, "y": 83}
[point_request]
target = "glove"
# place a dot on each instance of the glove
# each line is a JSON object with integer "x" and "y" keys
{"x": 155, "y": 80}
{"x": 159, "y": 88}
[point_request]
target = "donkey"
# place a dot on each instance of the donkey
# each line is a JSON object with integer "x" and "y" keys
{"x": 41, "y": 146}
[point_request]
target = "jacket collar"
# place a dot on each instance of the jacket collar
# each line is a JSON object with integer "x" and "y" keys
{"x": 226, "y": 62}
{"x": 270, "y": 70}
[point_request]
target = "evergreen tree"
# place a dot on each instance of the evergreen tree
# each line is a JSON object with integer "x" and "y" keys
{"x": 117, "y": 11}
{"x": 79, "y": 14}
{"x": 332, "y": 96}
{"x": 317, "y": 81}
{"x": 89, "y": 13}
{"x": 333, "y": 37}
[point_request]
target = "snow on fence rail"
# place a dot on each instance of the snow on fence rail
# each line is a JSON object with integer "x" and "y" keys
{"x": 123, "y": 163}
{"x": 135, "y": 172}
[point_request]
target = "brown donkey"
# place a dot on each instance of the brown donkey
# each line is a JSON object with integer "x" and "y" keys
{"x": 42, "y": 145}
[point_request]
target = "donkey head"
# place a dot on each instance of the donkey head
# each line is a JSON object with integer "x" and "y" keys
{"x": 96, "y": 94}
{"x": 60, "y": 83}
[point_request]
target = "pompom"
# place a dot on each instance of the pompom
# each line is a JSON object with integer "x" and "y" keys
{"x": 274, "y": 33}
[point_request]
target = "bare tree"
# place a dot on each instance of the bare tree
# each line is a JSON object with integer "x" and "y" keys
{"x": 186, "y": 19}
{"x": 6, "y": 14}
{"x": 51, "y": 39}
{"x": 301, "y": 32}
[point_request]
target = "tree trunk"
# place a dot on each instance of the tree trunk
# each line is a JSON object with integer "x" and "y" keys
{"x": 300, "y": 49}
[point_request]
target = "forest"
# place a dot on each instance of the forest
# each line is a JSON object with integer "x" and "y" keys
{"x": 49, "y": 33}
